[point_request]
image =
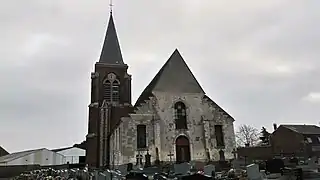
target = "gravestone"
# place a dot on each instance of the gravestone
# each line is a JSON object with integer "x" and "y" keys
{"x": 136, "y": 176}
{"x": 274, "y": 165}
{"x": 208, "y": 169}
{"x": 102, "y": 176}
{"x": 108, "y": 174}
{"x": 236, "y": 164}
{"x": 196, "y": 176}
{"x": 123, "y": 168}
{"x": 312, "y": 163}
{"x": 148, "y": 160}
{"x": 253, "y": 172}
{"x": 182, "y": 169}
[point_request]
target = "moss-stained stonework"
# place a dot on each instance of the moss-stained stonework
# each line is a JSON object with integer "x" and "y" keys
{"x": 157, "y": 114}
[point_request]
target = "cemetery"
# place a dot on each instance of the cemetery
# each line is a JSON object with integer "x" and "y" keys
{"x": 276, "y": 168}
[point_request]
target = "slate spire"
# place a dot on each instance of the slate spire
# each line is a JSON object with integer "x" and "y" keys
{"x": 111, "y": 52}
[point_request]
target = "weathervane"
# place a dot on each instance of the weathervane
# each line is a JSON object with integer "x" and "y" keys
{"x": 110, "y": 6}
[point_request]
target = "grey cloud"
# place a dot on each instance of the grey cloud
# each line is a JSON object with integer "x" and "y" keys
{"x": 258, "y": 60}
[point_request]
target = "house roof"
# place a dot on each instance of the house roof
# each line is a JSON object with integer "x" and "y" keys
{"x": 65, "y": 148}
{"x": 3, "y": 152}
{"x": 17, "y": 155}
{"x": 111, "y": 51}
{"x": 174, "y": 76}
{"x": 303, "y": 129}
{"x": 61, "y": 149}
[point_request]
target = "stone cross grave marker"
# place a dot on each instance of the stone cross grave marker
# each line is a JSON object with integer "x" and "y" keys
{"x": 253, "y": 172}
{"x": 170, "y": 156}
{"x": 182, "y": 168}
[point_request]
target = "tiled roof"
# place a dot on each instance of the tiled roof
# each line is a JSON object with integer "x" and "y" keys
{"x": 61, "y": 149}
{"x": 303, "y": 129}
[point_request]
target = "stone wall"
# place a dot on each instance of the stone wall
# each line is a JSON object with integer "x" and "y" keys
{"x": 157, "y": 114}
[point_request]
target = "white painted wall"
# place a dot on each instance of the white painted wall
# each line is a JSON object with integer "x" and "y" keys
{"x": 43, "y": 157}
{"x": 72, "y": 155}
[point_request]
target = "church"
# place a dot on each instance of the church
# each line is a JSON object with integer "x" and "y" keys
{"x": 173, "y": 119}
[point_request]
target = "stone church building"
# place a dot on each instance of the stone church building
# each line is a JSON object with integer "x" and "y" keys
{"x": 172, "y": 120}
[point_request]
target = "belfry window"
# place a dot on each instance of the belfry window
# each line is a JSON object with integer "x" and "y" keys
{"x": 180, "y": 115}
{"x": 107, "y": 90}
{"x": 111, "y": 88}
{"x": 115, "y": 91}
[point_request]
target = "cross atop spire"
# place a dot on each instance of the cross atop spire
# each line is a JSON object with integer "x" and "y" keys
{"x": 111, "y": 5}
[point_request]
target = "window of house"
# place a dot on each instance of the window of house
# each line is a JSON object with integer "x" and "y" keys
{"x": 319, "y": 139}
{"x": 219, "y": 135}
{"x": 141, "y": 136}
{"x": 180, "y": 115}
{"x": 309, "y": 140}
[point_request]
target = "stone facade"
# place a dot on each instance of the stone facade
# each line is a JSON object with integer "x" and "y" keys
{"x": 157, "y": 114}
{"x": 172, "y": 120}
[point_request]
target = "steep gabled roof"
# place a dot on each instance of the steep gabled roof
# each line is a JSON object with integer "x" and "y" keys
{"x": 174, "y": 76}
{"x": 303, "y": 129}
{"x": 111, "y": 52}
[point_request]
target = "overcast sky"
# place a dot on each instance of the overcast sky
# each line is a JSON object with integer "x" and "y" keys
{"x": 259, "y": 60}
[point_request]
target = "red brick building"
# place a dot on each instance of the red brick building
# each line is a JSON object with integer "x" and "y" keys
{"x": 287, "y": 140}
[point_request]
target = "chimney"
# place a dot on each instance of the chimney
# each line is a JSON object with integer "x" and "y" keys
{"x": 275, "y": 126}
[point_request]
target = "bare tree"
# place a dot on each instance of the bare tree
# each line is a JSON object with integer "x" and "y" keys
{"x": 247, "y": 135}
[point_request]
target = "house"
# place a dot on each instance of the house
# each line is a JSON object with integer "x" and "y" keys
{"x": 301, "y": 140}
{"x": 73, "y": 155}
{"x": 172, "y": 120}
{"x": 42, "y": 157}
{"x": 3, "y": 152}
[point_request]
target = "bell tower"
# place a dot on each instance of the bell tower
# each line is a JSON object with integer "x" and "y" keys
{"x": 110, "y": 98}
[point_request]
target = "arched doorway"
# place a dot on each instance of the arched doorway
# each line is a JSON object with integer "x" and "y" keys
{"x": 182, "y": 149}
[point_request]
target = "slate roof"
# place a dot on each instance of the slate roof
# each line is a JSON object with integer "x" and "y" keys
{"x": 16, "y": 155}
{"x": 3, "y": 152}
{"x": 303, "y": 129}
{"x": 65, "y": 148}
{"x": 111, "y": 51}
{"x": 174, "y": 76}
{"x": 61, "y": 149}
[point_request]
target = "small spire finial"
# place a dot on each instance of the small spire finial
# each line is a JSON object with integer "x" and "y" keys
{"x": 111, "y": 5}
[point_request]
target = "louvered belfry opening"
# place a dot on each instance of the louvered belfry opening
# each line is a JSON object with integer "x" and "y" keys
{"x": 111, "y": 91}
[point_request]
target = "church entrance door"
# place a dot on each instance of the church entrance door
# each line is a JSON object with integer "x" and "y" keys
{"x": 182, "y": 149}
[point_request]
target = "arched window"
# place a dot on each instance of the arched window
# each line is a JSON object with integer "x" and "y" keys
{"x": 111, "y": 88}
{"x": 180, "y": 116}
